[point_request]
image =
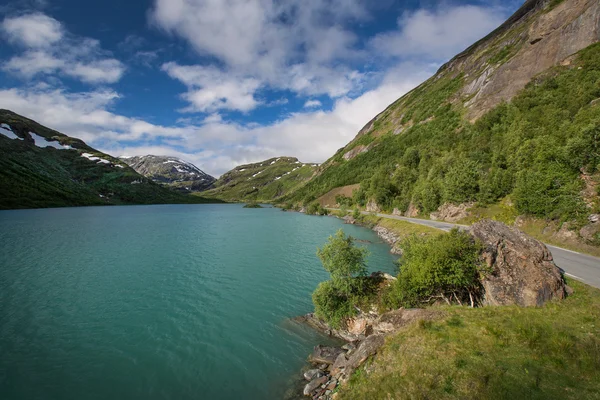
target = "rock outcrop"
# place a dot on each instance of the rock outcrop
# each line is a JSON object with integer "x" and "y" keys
{"x": 389, "y": 237}
{"x": 451, "y": 212}
{"x": 522, "y": 271}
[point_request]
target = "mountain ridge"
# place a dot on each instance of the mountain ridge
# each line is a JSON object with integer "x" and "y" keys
{"x": 170, "y": 171}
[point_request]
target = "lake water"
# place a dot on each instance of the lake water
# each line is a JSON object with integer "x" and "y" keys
{"x": 159, "y": 302}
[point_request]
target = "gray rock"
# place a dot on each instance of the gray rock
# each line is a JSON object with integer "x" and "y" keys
{"x": 324, "y": 355}
{"x": 522, "y": 269}
{"x": 314, "y": 385}
{"x": 312, "y": 374}
{"x": 594, "y": 218}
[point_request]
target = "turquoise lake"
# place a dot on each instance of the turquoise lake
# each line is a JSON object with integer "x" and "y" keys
{"x": 160, "y": 302}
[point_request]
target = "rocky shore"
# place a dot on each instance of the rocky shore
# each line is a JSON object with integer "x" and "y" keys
{"x": 521, "y": 272}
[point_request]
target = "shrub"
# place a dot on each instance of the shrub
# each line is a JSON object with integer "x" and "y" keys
{"x": 444, "y": 267}
{"x": 331, "y": 305}
{"x": 335, "y": 299}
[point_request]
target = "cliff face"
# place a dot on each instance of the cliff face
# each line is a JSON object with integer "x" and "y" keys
{"x": 532, "y": 43}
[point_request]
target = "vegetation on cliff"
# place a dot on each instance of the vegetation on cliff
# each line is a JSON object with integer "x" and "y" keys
{"x": 534, "y": 149}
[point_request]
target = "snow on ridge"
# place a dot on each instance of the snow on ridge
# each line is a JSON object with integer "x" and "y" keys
{"x": 42, "y": 142}
{"x": 7, "y": 131}
{"x": 99, "y": 160}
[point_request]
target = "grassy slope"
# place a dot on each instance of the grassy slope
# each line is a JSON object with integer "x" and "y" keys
{"x": 258, "y": 181}
{"x": 33, "y": 177}
{"x": 549, "y": 352}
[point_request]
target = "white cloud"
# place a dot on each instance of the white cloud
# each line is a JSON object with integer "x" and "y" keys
{"x": 49, "y": 49}
{"x": 213, "y": 144}
{"x": 312, "y": 104}
{"x": 33, "y": 30}
{"x": 211, "y": 89}
{"x": 295, "y": 45}
{"x": 438, "y": 34}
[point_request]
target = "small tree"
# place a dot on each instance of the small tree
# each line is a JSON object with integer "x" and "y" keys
{"x": 335, "y": 300}
{"x": 343, "y": 261}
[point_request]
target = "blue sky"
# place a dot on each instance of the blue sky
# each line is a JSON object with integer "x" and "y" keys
{"x": 220, "y": 83}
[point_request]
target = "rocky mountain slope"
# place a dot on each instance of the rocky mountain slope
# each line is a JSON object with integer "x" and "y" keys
{"x": 40, "y": 167}
{"x": 171, "y": 171}
{"x": 263, "y": 181}
{"x": 512, "y": 120}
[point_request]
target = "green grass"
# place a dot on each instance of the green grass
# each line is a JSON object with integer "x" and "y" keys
{"x": 551, "y": 352}
{"x": 259, "y": 182}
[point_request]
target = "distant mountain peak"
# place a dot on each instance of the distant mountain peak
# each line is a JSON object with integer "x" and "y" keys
{"x": 170, "y": 171}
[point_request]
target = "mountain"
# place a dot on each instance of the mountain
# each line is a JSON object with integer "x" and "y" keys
{"x": 40, "y": 167}
{"x": 513, "y": 122}
{"x": 263, "y": 181}
{"x": 171, "y": 171}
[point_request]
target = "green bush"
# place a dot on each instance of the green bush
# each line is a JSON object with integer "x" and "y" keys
{"x": 444, "y": 267}
{"x": 330, "y": 305}
{"x": 335, "y": 299}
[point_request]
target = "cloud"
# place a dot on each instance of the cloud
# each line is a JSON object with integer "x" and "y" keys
{"x": 33, "y": 30}
{"x": 438, "y": 34}
{"x": 50, "y": 50}
{"x": 312, "y": 104}
{"x": 265, "y": 44}
{"x": 210, "y": 89}
{"x": 214, "y": 144}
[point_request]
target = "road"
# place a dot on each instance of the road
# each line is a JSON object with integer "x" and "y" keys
{"x": 578, "y": 266}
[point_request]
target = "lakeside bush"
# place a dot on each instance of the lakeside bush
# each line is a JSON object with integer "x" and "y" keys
{"x": 316, "y": 209}
{"x": 445, "y": 267}
{"x": 336, "y": 299}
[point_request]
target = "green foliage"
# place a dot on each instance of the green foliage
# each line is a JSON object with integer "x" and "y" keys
{"x": 316, "y": 209}
{"x": 356, "y": 213}
{"x": 331, "y": 305}
{"x": 432, "y": 268}
{"x": 532, "y": 149}
{"x": 343, "y": 260}
{"x": 461, "y": 183}
{"x": 336, "y": 299}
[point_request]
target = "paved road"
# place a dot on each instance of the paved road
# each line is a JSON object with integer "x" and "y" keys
{"x": 579, "y": 266}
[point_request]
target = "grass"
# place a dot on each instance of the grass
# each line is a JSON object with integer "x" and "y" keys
{"x": 401, "y": 228}
{"x": 551, "y": 352}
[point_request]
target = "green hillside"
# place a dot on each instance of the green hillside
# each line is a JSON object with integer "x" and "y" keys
{"x": 67, "y": 172}
{"x": 454, "y": 140}
{"x": 263, "y": 181}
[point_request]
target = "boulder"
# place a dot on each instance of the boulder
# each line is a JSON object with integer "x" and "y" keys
{"x": 590, "y": 232}
{"x": 324, "y": 355}
{"x": 594, "y": 218}
{"x": 348, "y": 219}
{"x": 522, "y": 271}
{"x": 451, "y": 212}
{"x": 367, "y": 348}
{"x": 312, "y": 374}
{"x": 314, "y": 385}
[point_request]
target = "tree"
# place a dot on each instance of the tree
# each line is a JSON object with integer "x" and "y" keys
{"x": 343, "y": 261}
